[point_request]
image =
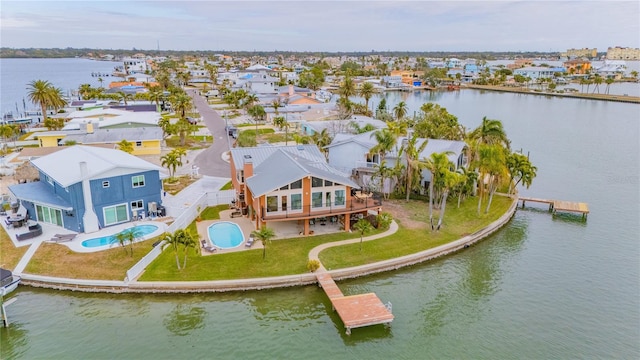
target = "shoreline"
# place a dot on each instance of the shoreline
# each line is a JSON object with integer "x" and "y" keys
{"x": 519, "y": 90}
{"x": 173, "y": 287}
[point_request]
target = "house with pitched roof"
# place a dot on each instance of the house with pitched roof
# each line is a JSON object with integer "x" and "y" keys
{"x": 85, "y": 188}
{"x": 294, "y": 184}
{"x": 352, "y": 154}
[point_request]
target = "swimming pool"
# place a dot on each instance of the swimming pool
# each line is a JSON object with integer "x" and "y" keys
{"x": 141, "y": 231}
{"x": 225, "y": 235}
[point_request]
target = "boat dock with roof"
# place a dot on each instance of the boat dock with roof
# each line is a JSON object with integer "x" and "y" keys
{"x": 356, "y": 310}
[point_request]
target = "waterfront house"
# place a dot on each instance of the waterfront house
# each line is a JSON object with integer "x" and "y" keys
{"x": 538, "y": 72}
{"x": 577, "y": 66}
{"x": 352, "y": 154}
{"x": 85, "y": 188}
{"x": 294, "y": 184}
{"x": 109, "y": 118}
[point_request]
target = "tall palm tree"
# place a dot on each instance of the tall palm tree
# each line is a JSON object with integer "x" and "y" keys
{"x": 490, "y": 132}
{"x": 250, "y": 100}
{"x": 383, "y": 172}
{"x": 276, "y": 104}
{"x": 492, "y": 169}
{"x": 520, "y": 170}
{"x": 174, "y": 240}
{"x": 43, "y": 93}
{"x": 188, "y": 240}
{"x": 366, "y": 91}
{"x": 400, "y": 110}
{"x": 265, "y": 234}
{"x": 411, "y": 151}
{"x": 597, "y": 80}
{"x": 84, "y": 90}
{"x": 156, "y": 94}
{"x": 439, "y": 166}
{"x": 450, "y": 180}
{"x": 181, "y": 103}
{"x": 322, "y": 139}
{"x": 608, "y": 81}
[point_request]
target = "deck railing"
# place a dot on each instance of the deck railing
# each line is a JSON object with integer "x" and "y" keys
{"x": 353, "y": 205}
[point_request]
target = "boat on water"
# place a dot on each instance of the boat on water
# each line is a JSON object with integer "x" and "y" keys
{"x": 8, "y": 282}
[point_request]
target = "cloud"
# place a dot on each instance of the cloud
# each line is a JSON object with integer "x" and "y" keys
{"x": 322, "y": 25}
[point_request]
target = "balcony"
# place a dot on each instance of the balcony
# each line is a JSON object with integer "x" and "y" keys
{"x": 356, "y": 204}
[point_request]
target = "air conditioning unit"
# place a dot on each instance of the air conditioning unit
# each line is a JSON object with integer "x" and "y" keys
{"x": 153, "y": 207}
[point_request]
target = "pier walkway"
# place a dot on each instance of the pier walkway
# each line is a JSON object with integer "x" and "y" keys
{"x": 559, "y": 205}
{"x": 356, "y": 310}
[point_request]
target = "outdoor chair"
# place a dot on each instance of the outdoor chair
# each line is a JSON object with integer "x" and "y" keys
{"x": 249, "y": 242}
{"x": 207, "y": 247}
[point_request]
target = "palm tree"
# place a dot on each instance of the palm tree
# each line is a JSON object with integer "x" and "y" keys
{"x": 156, "y": 94}
{"x": 43, "y": 93}
{"x": 125, "y": 146}
{"x": 521, "y": 170}
{"x": 492, "y": 167}
{"x": 597, "y": 80}
{"x": 131, "y": 235}
{"x": 383, "y": 172}
{"x": 250, "y": 100}
{"x": 181, "y": 103}
{"x": 171, "y": 161}
{"x": 121, "y": 237}
{"x": 188, "y": 240}
{"x": 439, "y": 166}
{"x": 123, "y": 96}
{"x": 174, "y": 240}
{"x": 400, "y": 110}
{"x": 100, "y": 80}
{"x": 265, "y": 234}
{"x": 450, "y": 180}
{"x": 363, "y": 226}
{"x": 347, "y": 88}
{"x": 167, "y": 127}
{"x": 411, "y": 152}
{"x": 385, "y": 142}
{"x": 608, "y": 81}
{"x": 322, "y": 139}
{"x": 84, "y": 90}
{"x": 366, "y": 91}
{"x": 490, "y": 132}
{"x": 276, "y": 105}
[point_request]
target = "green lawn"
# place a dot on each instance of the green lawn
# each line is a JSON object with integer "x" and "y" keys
{"x": 456, "y": 224}
{"x": 284, "y": 257}
{"x": 289, "y": 256}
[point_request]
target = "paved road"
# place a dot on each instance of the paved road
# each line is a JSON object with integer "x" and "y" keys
{"x": 210, "y": 160}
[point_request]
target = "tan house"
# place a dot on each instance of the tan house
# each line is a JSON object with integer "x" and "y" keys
{"x": 295, "y": 184}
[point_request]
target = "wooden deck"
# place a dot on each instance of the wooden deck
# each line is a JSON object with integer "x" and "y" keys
{"x": 355, "y": 310}
{"x": 559, "y": 205}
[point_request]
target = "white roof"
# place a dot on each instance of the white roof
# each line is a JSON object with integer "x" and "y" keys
{"x": 111, "y": 117}
{"x": 64, "y": 166}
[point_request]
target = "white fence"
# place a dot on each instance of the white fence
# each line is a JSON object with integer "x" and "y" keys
{"x": 188, "y": 215}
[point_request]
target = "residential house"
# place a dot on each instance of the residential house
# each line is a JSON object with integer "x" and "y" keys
{"x": 352, "y": 154}
{"x": 294, "y": 184}
{"x": 577, "y": 66}
{"x": 109, "y": 118}
{"x": 85, "y": 188}
{"x": 538, "y": 72}
{"x": 409, "y": 77}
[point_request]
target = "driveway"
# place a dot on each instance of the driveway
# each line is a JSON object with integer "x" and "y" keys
{"x": 210, "y": 160}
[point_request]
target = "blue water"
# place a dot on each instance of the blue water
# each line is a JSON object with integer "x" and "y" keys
{"x": 141, "y": 230}
{"x": 225, "y": 235}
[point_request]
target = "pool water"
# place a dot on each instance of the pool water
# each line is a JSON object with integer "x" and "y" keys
{"x": 225, "y": 235}
{"x": 141, "y": 230}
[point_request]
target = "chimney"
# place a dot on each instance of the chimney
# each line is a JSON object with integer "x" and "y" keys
{"x": 89, "y": 219}
{"x": 248, "y": 166}
{"x": 291, "y": 90}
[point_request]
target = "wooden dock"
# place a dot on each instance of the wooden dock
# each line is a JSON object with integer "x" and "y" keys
{"x": 356, "y": 310}
{"x": 559, "y": 205}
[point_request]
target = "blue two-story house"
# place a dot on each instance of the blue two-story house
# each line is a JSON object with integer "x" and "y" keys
{"x": 85, "y": 188}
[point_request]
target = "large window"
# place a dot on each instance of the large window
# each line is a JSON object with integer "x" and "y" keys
{"x": 339, "y": 197}
{"x": 272, "y": 203}
{"x": 316, "y": 199}
{"x": 316, "y": 182}
{"x": 137, "y": 181}
{"x": 296, "y": 201}
{"x": 115, "y": 214}
{"x": 296, "y": 184}
{"x": 49, "y": 215}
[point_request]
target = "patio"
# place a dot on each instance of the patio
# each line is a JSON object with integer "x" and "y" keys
{"x": 283, "y": 230}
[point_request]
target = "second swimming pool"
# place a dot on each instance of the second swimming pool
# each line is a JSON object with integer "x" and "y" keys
{"x": 140, "y": 230}
{"x": 225, "y": 235}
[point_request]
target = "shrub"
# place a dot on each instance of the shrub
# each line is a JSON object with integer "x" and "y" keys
{"x": 384, "y": 220}
{"x": 313, "y": 265}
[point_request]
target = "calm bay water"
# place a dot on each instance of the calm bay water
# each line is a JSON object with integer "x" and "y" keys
{"x": 543, "y": 287}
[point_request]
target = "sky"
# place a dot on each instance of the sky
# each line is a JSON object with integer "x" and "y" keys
{"x": 328, "y": 26}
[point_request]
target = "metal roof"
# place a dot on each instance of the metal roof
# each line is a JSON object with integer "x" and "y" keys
{"x": 64, "y": 166}
{"x": 283, "y": 167}
{"x": 39, "y": 192}
{"x": 261, "y": 153}
{"x": 116, "y": 135}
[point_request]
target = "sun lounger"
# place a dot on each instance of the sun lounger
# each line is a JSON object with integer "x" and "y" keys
{"x": 63, "y": 237}
{"x": 249, "y": 242}
{"x": 209, "y": 248}
{"x": 236, "y": 214}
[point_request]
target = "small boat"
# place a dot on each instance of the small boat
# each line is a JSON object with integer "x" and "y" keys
{"x": 8, "y": 282}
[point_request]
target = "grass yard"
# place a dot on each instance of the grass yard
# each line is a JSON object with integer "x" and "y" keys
{"x": 60, "y": 261}
{"x": 9, "y": 254}
{"x": 284, "y": 257}
{"x": 414, "y": 235}
{"x": 176, "y": 184}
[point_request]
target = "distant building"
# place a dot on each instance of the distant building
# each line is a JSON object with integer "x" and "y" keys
{"x": 538, "y": 72}
{"x": 577, "y": 66}
{"x": 580, "y": 53}
{"x": 623, "y": 53}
